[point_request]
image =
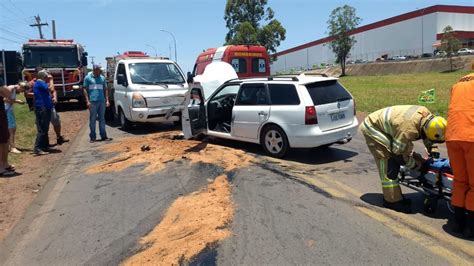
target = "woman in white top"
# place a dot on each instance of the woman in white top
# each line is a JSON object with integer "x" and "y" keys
{"x": 9, "y": 104}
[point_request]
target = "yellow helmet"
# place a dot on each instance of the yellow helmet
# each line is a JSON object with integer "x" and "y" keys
{"x": 435, "y": 129}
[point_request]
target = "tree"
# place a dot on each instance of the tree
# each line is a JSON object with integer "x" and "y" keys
{"x": 244, "y": 19}
{"x": 341, "y": 21}
{"x": 449, "y": 44}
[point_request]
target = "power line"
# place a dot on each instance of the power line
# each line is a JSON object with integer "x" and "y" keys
{"x": 6, "y": 39}
{"x": 9, "y": 10}
{"x": 8, "y": 21}
{"x": 17, "y": 34}
{"x": 16, "y": 7}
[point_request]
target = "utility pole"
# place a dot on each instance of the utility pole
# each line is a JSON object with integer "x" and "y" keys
{"x": 92, "y": 59}
{"x": 39, "y": 25}
{"x": 54, "y": 29}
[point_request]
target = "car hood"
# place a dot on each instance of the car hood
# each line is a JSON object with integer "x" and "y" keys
{"x": 215, "y": 74}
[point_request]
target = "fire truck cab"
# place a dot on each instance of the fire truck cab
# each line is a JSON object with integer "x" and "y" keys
{"x": 64, "y": 59}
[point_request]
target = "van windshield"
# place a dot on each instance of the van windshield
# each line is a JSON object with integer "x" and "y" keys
{"x": 325, "y": 92}
{"x": 155, "y": 73}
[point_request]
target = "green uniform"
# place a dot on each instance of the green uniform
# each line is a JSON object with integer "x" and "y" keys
{"x": 389, "y": 134}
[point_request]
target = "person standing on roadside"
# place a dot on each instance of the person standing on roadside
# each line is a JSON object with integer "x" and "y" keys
{"x": 460, "y": 144}
{"x": 9, "y": 106}
{"x": 97, "y": 97}
{"x": 43, "y": 104}
{"x": 6, "y": 169}
{"x": 55, "y": 119}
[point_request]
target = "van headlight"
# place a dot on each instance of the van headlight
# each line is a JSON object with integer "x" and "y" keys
{"x": 138, "y": 101}
{"x": 75, "y": 87}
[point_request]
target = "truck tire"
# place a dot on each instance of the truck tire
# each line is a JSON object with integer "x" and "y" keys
{"x": 82, "y": 102}
{"x": 110, "y": 113}
{"x": 125, "y": 124}
{"x": 274, "y": 141}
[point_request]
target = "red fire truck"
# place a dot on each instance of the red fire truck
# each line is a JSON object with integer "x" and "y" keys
{"x": 247, "y": 60}
{"x": 64, "y": 59}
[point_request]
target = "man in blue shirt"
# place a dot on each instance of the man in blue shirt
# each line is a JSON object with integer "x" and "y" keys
{"x": 97, "y": 97}
{"x": 43, "y": 106}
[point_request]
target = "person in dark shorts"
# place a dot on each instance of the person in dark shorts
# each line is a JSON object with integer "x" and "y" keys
{"x": 5, "y": 168}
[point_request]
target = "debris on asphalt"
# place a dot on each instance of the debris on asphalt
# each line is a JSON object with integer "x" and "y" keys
{"x": 192, "y": 223}
{"x": 129, "y": 152}
{"x": 178, "y": 137}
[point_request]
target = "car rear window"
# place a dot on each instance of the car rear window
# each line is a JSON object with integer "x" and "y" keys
{"x": 327, "y": 92}
{"x": 283, "y": 94}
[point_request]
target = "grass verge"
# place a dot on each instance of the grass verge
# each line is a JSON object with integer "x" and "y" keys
{"x": 375, "y": 92}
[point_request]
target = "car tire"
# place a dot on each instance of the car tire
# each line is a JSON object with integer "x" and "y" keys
{"x": 274, "y": 141}
{"x": 125, "y": 124}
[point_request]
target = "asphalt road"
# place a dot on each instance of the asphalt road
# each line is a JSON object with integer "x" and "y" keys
{"x": 314, "y": 207}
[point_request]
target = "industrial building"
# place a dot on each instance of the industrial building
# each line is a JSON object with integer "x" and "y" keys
{"x": 411, "y": 34}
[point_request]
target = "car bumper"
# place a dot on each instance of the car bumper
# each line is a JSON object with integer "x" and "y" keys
{"x": 155, "y": 114}
{"x": 312, "y": 136}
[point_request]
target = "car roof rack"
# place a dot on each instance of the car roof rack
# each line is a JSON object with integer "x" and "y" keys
{"x": 316, "y": 74}
{"x": 292, "y": 77}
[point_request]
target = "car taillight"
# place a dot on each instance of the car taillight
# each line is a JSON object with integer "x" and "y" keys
{"x": 310, "y": 116}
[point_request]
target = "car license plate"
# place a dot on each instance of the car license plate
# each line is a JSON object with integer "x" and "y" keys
{"x": 337, "y": 116}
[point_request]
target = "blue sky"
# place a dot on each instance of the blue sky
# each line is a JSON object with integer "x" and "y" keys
{"x": 106, "y": 27}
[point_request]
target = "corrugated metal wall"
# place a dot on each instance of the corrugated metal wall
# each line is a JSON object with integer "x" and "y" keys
{"x": 402, "y": 38}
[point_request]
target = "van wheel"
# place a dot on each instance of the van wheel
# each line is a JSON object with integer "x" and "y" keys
{"x": 274, "y": 141}
{"x": 125, "y": 124}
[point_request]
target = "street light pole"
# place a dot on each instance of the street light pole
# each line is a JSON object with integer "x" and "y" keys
{"x": 175, "y": 50}
{"x": 156, "y": 54}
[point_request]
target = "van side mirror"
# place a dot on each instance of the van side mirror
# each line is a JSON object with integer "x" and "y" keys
{"x": 84, "y": 60}
{"x": 190, "y": 77}
{"x": 121, "y": 79}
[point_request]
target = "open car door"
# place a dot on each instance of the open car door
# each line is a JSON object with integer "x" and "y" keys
{"x": 194, "y": 114}
{"x": 215, "y": 74}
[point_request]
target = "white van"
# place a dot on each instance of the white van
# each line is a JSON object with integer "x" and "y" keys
{"x": 148, "y": 90}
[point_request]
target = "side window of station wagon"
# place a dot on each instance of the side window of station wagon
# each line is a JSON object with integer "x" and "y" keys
{"x": 252, "y": 94}
{"x": 283, "y": 94}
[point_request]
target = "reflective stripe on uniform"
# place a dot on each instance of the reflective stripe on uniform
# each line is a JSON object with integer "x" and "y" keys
{"x": 398, "y": 146}
{"x": 382, "y": 170}
{"x": 386, "y": 122}
{"x": 386, "y": 182}
{"x": 377, "y": 135}
{"x": 390, "y": 184}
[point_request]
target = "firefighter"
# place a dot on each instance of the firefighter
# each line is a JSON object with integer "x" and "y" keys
{"x": 460, "y": 144}
{"x": 389, "y": 134}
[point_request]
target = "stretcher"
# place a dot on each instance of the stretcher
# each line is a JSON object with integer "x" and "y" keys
{"x": 434, "y": 180}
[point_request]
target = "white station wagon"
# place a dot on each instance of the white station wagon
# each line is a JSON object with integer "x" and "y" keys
{"x": 278, "y": 112}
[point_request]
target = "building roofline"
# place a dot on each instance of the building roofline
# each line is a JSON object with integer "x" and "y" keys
{"x": 386, "y": 22}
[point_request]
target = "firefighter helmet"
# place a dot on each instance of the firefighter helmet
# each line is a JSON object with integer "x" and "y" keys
{"x": 435, "y": 129}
